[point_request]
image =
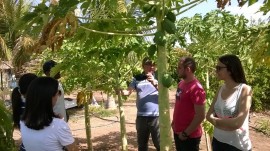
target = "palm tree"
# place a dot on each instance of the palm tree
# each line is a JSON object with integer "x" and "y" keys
{"x": 11, "y": 12}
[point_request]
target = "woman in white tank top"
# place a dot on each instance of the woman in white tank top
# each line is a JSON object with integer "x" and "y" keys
{"x": 229, "y": 111}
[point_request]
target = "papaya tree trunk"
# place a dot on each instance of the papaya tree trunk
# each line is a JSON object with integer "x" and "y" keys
{"x": 163, "y": 98}
{"x": 122, "y": 123}
{"x": 207, "y": 136}
{"x": 87, "y": 97}
{"x": 122, "y": 114}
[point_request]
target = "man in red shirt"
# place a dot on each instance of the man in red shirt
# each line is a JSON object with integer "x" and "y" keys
{"x": 189, "y": 110}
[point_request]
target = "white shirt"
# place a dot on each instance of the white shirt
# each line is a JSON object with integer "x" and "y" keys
{"x": 59, "y": 107}
{"x": 227, "y": 109}
{"x": 51, "y": 138}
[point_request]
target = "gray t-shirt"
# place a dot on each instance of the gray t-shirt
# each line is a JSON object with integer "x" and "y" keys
{"x": 147, "y": 98}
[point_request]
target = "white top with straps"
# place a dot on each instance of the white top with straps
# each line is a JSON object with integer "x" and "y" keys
{"x": 227, "y": 109}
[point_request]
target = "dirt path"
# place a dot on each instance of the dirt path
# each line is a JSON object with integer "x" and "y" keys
{"x": 106, "y": 131}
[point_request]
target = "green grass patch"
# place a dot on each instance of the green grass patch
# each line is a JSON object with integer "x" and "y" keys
{"x": 263, "y": 126}
{"x": 102, "y": 112}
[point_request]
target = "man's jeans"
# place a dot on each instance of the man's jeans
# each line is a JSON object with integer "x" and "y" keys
{"x": 190, "y": 144}
{"x": 146, "y": 126}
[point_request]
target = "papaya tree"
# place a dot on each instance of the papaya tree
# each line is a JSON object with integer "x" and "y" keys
{"x": 262, "y": 33}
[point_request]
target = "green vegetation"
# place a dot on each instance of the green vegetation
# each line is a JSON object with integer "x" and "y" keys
{"x": 263, "y": 126}
{"x": 101, "y": 111}
{"x": 6, "y": 129}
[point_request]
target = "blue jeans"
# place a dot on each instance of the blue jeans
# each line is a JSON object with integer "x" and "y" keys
{"x": 219, "y": 146}
{"x": 190, "y": 144}
{"x": 146, "y": 126}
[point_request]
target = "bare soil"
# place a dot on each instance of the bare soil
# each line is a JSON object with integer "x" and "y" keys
{"x": 105, "y": 132}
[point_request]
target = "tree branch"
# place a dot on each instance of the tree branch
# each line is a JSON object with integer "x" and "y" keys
{"x": 186, "y": 9}
{"x": 185, "y": 5}
{"x": 136, "y": 31}
{"x": 107, "y": 19}
{"x": 116, "y": 34}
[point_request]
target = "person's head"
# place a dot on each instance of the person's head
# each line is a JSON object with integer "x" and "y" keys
{"x": 25, "y": 81}
{"x": 17, "y": 94}
{"x": 148, "y": 65}
{"x": 47, "y": 66}
{"x": 41, "y": 96}
{"x": 186, "y": 67}
{"x": 229, "y": 66}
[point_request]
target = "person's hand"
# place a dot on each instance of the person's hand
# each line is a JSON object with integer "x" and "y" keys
{"x": 151, "y": 79}
{"x": 117, "y": 91}
{"x": 59, "y": 116}
{"x": 182, "y": 137}
{"x": 213, "y": 119}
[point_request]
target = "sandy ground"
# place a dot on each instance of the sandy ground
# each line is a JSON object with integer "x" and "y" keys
{"x": 105, "y": 132}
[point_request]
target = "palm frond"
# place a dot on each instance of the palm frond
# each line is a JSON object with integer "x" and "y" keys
{"x": 22, "y": 51}
{"x": 5, "y": 52}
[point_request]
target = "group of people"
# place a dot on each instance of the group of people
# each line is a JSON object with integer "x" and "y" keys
{"x": 41, "y": 117}
{"x": 39, "y": 112}
{"x": 229, "y": 111}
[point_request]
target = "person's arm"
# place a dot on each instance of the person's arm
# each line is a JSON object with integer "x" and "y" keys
{"x": 211, "y": 115}
{"x": 197, "y": 120}
{"x": 130, "y": 88}
{"x": 236, "y": 122}
{"x": 198, "y": 99}
{"x": 211, "y": 112}
{"x": 72, "y": 147}
{"x": 127, "y": 92}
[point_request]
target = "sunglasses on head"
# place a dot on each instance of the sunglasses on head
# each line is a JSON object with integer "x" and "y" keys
{"x": 149, "y": 64}
{"x": 218, "y": 68}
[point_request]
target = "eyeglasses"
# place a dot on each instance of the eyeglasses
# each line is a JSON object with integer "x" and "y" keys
{"x": 218, "y": 68}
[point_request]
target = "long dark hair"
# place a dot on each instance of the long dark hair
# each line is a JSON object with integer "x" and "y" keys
{"x": 234, "y": 65}
{"x": 38, "y": 108}
{"x": 16, "y": 97}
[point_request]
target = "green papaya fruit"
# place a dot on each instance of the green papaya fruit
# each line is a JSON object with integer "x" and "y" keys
{"x": 152, "y": 50}
{"x": 159, "y": 38}
{"x": 171, "y": 16}
{"x": 152, "y": 12}
{"x": 167, "y": 80}
{"x": 146, "y": 8}
{"x": 168, "y": 26}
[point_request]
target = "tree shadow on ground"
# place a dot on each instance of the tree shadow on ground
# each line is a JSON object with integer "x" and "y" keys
{"x": 110, "y": 142}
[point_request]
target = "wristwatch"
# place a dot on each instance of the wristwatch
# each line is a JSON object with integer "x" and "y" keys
{"x": 184, "y": 134}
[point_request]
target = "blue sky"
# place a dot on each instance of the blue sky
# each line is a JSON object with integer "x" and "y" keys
{"x": 203, "y": 8}
{"x": 248, "y": 12}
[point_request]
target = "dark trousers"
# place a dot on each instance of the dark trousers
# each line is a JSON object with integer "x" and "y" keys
{"x": 146, "y": 126}
{"x": 190, "y": 144}
{"x": 219, "y": 146}
{"x": 22, "y": 147}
